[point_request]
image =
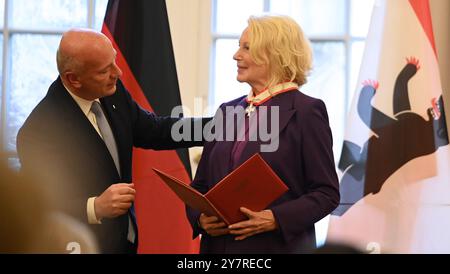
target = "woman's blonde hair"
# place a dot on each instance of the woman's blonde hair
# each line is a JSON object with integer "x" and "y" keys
{"x": 279, "y": 42}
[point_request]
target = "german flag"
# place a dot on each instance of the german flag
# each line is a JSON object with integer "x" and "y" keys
{"x": 140, "y": 33}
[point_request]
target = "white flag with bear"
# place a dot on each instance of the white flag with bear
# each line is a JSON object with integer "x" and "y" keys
{"x": 395, "y": 180}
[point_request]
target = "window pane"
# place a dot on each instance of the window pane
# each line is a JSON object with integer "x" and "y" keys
{"x": 2, "y": 11}
{"x": 100, "y": 10}
{"x": 226, "y": 87}
{"x": 318, "y": 17}
{"x": 357, "y": 54}
{"x": 361, "y": 13}
{"x": 49, "y": 14}
{"x": 232, "y": 15}
{"x": 33, "y": 70}
{"x": 327, "y": 82}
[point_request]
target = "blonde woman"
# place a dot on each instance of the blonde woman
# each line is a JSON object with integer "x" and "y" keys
{"x": 274, "y": 59}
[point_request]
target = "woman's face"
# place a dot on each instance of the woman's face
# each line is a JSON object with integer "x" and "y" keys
{"x": 255, "y": 75}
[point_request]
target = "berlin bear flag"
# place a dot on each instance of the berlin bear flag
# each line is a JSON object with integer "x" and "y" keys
{"x": 395, "y": 187}
{"x": 139, "y": 30}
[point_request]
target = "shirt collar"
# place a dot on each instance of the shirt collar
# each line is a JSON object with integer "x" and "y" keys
{"x": 84, "y": 104}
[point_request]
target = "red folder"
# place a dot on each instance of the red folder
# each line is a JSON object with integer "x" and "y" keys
{"x": 253, "y": 185}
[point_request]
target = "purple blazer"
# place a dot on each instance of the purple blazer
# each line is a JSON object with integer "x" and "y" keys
{"x": 304, "y": 161}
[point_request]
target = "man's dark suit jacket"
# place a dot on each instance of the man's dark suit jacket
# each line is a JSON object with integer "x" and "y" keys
{"x": 59, "y": 145}
{"x": 303, "y": 160}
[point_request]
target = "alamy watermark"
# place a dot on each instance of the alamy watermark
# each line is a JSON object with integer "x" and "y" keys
{"x": 231, "y": 124}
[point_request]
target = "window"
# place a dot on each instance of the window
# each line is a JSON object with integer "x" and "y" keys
{"x": 29, "y": 44}
{"x": 337, "y": 30}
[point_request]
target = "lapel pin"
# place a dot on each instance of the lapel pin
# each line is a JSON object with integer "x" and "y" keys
{"x": 114, "y": 106}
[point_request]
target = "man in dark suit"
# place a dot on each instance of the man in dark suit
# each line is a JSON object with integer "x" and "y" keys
{"x": 79, "y": 139}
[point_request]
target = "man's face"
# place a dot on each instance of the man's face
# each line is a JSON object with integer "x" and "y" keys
{"x": 100, "y": 73}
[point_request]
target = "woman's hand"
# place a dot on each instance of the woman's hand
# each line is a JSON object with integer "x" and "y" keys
{"x": 212, "y": 225}
{"x": 258, "y": 222}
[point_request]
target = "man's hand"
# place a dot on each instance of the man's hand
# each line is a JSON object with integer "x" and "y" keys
{"x": 114, "y": 201}
{"x": 258, "y": 222}
{"x": 212, "y": 225}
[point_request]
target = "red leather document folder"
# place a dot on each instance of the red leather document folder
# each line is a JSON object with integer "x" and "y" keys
{"x": 253, "y": 185}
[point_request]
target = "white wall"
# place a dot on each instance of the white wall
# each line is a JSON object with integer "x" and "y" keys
{"x": 190, "y": 23}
